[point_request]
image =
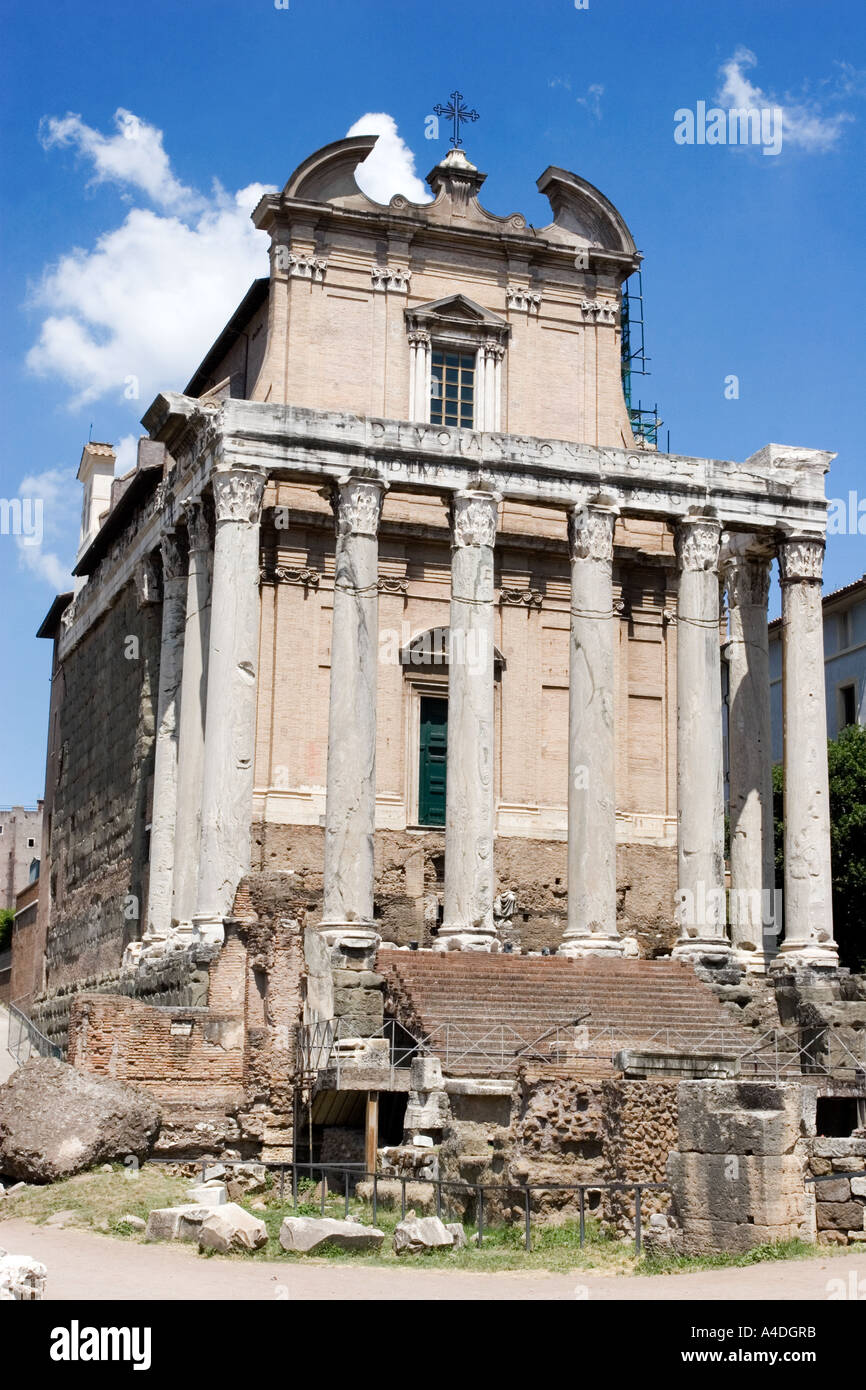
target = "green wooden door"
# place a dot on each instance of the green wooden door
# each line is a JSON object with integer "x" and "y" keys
{"x": 431, "y": 778}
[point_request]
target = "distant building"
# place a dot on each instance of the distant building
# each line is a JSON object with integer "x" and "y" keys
{"x": 844, "y": 662}
{"x": 20, "y": 844}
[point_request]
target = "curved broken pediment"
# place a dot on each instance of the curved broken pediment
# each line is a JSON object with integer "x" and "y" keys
{"x": 582, "y": 213}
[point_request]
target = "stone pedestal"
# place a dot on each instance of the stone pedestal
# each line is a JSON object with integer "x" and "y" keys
{"x": 700, "y": 908}
{"x": 230, "y": 720}
{"x": 469, "y": 810}
{"x": 591, "y": 928}
{"x": 752, "y": 899}
{"x": 808, "y": 885}
{"x": 159, "y": 897}
{"x": 350, "y": 808}
{"x": 187, "y": 834}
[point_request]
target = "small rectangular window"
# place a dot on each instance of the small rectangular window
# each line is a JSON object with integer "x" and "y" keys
{"x": 452, "y": 389}
{"x": 847, "y": 705}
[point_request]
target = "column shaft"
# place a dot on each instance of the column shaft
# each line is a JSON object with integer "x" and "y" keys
{"x": 187, "y": 835}
{"x": 163, "y": 814}
{"x": 752, "y": 900}
{"x": 230, "y": 719}
{"x": 808, "y": 881}
{"x": 700, "y": 817}
{"x": 350, "y": 809}
{"x": 591, "y": 928}
{"x": 469, "y": 805}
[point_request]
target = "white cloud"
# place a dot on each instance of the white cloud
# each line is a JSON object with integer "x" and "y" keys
{"x": 592, "y": 100}
{"x": 136, "y": 312}
{"x": 126, "y": 451}
{"x": 134, "y": 156}
{"x": 803, "y": 123}
{"x": 54, "y": 498}
{"x": 390, "y": 168}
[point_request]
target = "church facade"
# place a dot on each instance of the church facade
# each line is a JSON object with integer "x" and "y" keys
{"x": 399, "y": 633}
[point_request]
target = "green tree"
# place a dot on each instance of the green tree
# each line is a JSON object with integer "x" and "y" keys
{"x": 846, "y": 757}
{"x": 6, "y": 916}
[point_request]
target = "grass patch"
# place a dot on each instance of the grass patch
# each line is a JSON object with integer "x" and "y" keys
{"x": 99, "y": 1199}
{"x": 759, "y": 1254}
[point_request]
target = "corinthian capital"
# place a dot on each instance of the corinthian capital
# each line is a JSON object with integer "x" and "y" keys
{"x": 590, "y": 532}
{"x": 473, "y": 518}
{"x": 801, "y": 558}
{"x": 238, "y": 495}
{"x": 747, "y": 579}
{"x": 698, "y": 543}
{"x": 357, "y": 506}
{"x": 197, "y": 524}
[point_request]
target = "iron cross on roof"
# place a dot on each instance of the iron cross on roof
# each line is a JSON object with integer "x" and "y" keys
{"x": 456, "y": 113}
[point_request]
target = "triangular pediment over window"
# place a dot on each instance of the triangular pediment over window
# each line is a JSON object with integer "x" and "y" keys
{"x": 458, "y": 307}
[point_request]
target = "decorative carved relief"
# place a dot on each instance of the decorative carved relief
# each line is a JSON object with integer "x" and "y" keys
{"x": 238, "y": 495}
{"x": 515, "y": 598}
{"x": 494, "y": 352}
{"x": 309, "y": 578}
{"x": 590, "y": 533}
{"x": 521, "y": 297}
{"x": 599, "y": 310}
{"x": 392, "y": 586}
{"x": 698, "y": 542}
{"x": 385, "y": 277}
{"x": 418, "y": 337}
{"x": 473, "y": 518}
{"x": 300, "y": 267}
{"x": 357, "y": 506}
{"x": 801, "y": 558}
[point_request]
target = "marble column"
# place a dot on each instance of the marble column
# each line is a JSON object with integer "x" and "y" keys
{"x": 700, "y": 909}
{"x": 752, "y": 900}
{"x": 419, "y": 375}
{"x": 469, "y": 807}
{"x": 591, "y": 928}
{"x": 230, "y": 717}
{"x": 350, "y": 808}
{"x": 162, "y": 820}
{"x": 187, "y": 834}
{"x": 808, "y": 885}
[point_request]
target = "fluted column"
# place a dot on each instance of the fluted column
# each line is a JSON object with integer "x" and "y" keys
{"x": 419, "y": 374}
{"x": 700, "y": 909}
{"x": 350, "y": 808}
{"x": 747, "y": 577}
{"x": 230, "y": 719}
{"x": 591, "y": 928}
{"x": 469, "y": 809}
{"x": 808, "y": 882}
{"x": 187, "y": 834}
{"x": 162, "y": 820}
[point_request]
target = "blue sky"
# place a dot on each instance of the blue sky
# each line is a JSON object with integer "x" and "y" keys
{"x": 126, "y": 246}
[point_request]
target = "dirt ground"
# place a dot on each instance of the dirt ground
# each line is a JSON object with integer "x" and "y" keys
{"x": 84, "y": 1265}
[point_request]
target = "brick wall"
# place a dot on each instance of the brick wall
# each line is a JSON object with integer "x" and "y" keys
{"x": 98, "y": 845}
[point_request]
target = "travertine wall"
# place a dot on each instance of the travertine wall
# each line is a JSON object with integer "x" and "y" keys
{"x": 98, "y": 835}
{"x": 840, "y": 1190}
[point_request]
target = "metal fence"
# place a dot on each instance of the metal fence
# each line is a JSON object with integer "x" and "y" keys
{"x": 775, "y": 1054}
{"x": 25, "y": 1039}
{"x": 340, "y": 1180}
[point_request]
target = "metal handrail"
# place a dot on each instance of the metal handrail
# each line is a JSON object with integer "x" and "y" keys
{"x": 24, "y": 1038}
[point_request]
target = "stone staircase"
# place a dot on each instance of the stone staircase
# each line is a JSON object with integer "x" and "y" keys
{"x": 485, "y": 1012}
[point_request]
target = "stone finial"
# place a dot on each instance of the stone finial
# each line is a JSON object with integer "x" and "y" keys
{"x": 357, "y": 505}
{"x": 238, "y": 495}
{"x": 590, "y": 532}
{"x": 698, "y": 542}
{"x": 801, "y": 558}
{"x": 473, "y": 518}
